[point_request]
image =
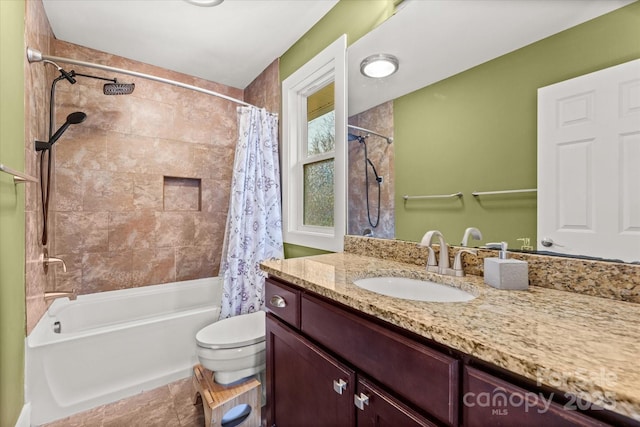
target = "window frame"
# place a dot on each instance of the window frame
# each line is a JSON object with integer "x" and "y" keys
{"x": 326, "y": 67}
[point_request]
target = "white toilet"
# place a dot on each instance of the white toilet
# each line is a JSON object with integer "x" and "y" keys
{"x": 233, "y": 348}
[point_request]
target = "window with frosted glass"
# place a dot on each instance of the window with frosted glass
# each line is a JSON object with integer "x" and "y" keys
{"x": 318, "y": 193}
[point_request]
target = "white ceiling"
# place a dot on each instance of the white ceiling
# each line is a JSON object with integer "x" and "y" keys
{"x": 234, "y": 42}
{"x": 436, "y": 39}
{"x": 230, "y": 44}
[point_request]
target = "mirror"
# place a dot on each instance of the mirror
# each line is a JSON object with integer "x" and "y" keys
{"x": 465, "y": 108}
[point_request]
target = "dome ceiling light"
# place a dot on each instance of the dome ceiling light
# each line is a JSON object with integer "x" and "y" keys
{"x": 204, "y": 3}
{"x": 379, "y": 66}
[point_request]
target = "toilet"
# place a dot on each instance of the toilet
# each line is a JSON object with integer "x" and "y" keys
{"x": 233, "y": 348}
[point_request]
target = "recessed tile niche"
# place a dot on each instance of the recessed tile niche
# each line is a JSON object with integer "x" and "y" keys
{"x": 182, "y": 194}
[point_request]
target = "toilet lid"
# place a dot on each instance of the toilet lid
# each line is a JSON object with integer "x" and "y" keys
{"x": 238, "y": 331}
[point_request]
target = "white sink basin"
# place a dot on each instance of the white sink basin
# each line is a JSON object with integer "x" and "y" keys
{"x": 412, "y": 289}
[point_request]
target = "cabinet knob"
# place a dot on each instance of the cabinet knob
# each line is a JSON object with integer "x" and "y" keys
{"x": 278, "y": 301}
{"x": 360, "y": 401}
{"x": 339, "y": 386}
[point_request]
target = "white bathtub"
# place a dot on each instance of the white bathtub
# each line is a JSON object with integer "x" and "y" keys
{"x": 115, "y": 344}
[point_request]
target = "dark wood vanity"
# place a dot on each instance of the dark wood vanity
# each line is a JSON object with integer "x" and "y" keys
{"x": 331, "y": 365}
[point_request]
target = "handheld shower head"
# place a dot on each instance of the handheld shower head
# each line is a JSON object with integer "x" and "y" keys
{"x": 72, "y": 119}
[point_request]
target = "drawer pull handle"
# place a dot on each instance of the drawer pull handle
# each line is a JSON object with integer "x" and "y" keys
{"x": 360, "y": 401}
{"x": 278, "y": 301}
{"x": 339, "y": 386}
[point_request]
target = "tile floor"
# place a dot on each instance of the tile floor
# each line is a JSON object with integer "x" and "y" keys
{"x": 167, "y": 406}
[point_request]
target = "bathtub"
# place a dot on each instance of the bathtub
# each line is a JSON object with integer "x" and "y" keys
{"x": 115, "y": 344}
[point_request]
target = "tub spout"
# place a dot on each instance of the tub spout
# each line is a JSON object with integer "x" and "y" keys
{"x": 48, "y": 296}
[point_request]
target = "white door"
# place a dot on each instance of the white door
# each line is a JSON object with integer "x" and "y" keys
{"x": 589, "y": 164}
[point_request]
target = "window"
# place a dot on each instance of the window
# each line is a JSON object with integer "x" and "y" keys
{"x": 314, "y": 151}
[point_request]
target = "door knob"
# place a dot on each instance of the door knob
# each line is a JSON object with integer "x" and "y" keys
{"x": 360, "y": 401}
{"x": 547, "y": 242}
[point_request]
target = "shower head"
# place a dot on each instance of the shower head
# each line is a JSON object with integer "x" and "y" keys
{"x": 72, "y": 119}
{"x": 118, "y": 88}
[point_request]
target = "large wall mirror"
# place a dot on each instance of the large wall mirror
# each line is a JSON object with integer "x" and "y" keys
{"x": 462, "y": 111}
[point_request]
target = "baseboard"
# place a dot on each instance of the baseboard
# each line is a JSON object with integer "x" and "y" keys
{"x": 24, "y": 420}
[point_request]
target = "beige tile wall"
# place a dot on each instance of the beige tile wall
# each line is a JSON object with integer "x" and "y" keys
{"x": 38, "y": 78}
{"x": 118, "y": 224}
{"x": 113, "y": 218}
{"x": 378, "y": 119}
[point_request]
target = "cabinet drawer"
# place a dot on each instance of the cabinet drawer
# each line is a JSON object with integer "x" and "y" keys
{"x": 283, "y": 301}
{"x": 376, "y": 408}
{"x": 420, "y": 375}
{"x": 490, "y": 401}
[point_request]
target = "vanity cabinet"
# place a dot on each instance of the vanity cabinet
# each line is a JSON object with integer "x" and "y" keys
{"x": 305, "y": 386}
{"x": 320, "y": 361}
{"x": 330, "y": 365}
{"x": 490, "y": 401}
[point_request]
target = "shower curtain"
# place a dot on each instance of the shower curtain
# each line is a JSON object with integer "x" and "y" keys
{"x": 254, "y": 223}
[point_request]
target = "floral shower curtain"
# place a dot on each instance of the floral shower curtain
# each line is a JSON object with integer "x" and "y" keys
{"x": 254, "y": 222}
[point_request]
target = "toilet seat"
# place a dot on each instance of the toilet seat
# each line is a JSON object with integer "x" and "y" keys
{"x": 239, "y": 331}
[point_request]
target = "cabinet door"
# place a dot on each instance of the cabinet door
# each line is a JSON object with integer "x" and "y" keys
{"x": 419, "y": 375}
{"x": 305, "y": 386}
{"x": 492, "y": 402}
{"x": 379, "y": 409}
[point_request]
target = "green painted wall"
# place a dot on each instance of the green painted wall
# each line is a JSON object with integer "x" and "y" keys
{"x": 476, "y": 131}
{"x": 12, "y": 217}
{"x": 354, "y": 18}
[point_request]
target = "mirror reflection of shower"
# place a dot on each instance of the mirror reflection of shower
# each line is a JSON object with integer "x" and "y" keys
{"x": 45, "y": 147}
{"x": 372, "y": 200}
{"x": 378, "y": 178}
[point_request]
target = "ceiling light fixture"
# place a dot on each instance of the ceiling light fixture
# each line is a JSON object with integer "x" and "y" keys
{"x": 205, "y": 3}
{"x": 379, "y": 66}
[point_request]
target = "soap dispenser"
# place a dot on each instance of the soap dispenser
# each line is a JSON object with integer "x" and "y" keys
{"x": 506, "y": 273}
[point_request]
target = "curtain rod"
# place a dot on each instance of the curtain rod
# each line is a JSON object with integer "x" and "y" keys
{"x": 37, "y": 56}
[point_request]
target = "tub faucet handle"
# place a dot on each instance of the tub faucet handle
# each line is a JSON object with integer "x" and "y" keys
{"x": 46, "y": 260}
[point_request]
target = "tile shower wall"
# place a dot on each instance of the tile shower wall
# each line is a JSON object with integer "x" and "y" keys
{"x": 38, "y": 77}
{"x": 379, "y": 119}
{"x": 116, "y": 191}
{"x": 142, "y": 185}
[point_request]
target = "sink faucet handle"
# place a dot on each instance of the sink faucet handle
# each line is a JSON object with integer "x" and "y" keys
{"x": 457, "y": 261}
{"x": 431, "y": 259}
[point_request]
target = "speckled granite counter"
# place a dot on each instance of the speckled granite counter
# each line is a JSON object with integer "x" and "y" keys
{"x": 585, "y": 345}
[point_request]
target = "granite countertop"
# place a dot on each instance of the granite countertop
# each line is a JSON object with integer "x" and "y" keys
{"x": 584, "y": 345}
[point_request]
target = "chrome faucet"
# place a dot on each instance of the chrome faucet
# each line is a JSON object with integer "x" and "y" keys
{"x": 472, "y": 232}
{"x": 443, "y": 264}
{"x": 48, "y": 296}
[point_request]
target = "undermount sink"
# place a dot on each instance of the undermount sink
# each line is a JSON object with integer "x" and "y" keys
{"x": 412, "y": 289}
